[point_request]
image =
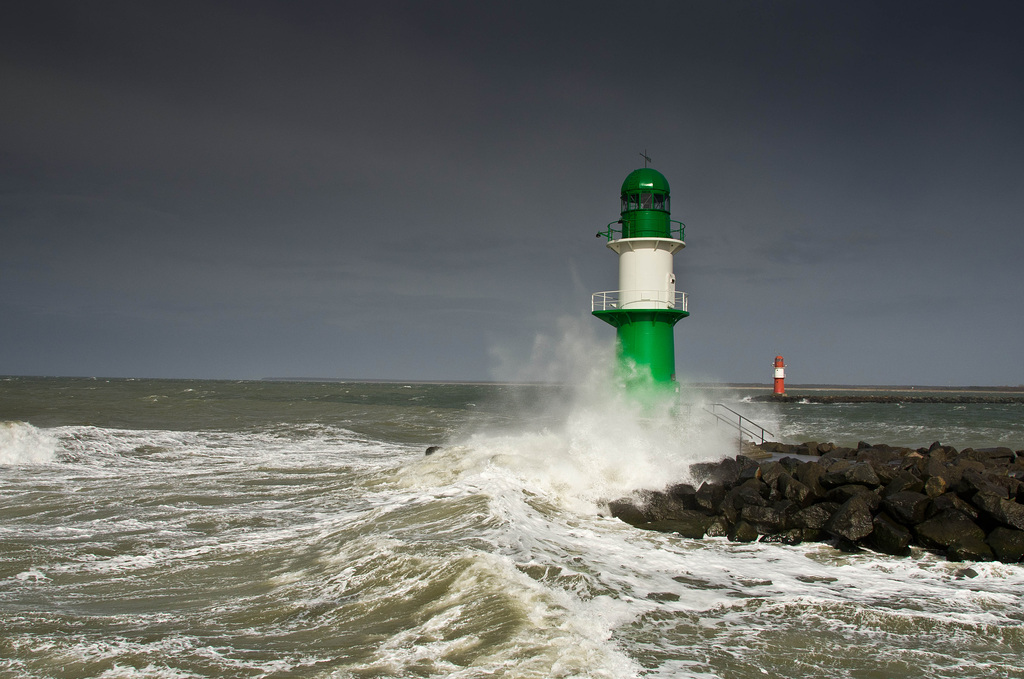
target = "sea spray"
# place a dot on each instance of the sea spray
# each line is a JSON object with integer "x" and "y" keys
{"x": 596, "y": 441}
{"x": 21, "y": 443}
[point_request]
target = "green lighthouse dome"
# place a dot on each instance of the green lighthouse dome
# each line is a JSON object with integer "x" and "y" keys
{"x": 645, "y": 204}
{"x": 645, "y": 179}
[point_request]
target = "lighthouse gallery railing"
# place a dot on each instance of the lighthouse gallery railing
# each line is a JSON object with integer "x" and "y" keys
{"x": 677, "y": 232}
{"x": 638, "y": 299}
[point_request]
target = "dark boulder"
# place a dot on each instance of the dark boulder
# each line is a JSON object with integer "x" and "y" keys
{"x": 852, "y": 521}
{"x": 749, "y": 469}
{"x": 970, "y": 548}
{"x": 743, "y": 531}
{"x": 904, "y": 480}
{"x": 790, "y": 464}
{"x": 718, "y": 527}
{"x": 432, "y": 449}
{"x": 877, "y": 456}
{"x": 725, "y": 472}
{"x": 658, "y": 506}
{"x": 934, "y": 465}
{"x": 1007, "y": 544}
{"x": 951, "y": 501}
{"x": 816, "y": 516}
{"x": 859, "y": 472}
{"x": 887, "y": 472}
{"x": 793, "y": 536}
{"x": 709, "y": 496}
{"x": 787, "y": 449}
{"x": 744, "y": 495}
{"x": 1008, "y": 485}
{"x": 758, "y": 486}
{"x": 810, "y": 474}
{"x": 973, "y": 482}
{"x": 683, "y": 493}
{"x": 1016, "y": 486}
{"x": 835, "y": 473}
{"x": 962, "y": 464}
{"x": 747, "y": 493}
{"x": 952, "y": 474}
{"x": 947, "y": 528}
{"x": 770, "y": 472}
{"x": 999, "y": 453}
{"x": 788, "y": 508}
{"x": 907, "y": 507}
{"x": 845, "y": 453}
{"x": 843, "y": 493}
{"x": 765, "y": 519}
{"x": 889, "y": 537}
{"x": 688, "y": 523}
{"x": 812, "y": 534}
{"x": 948, "y": 451}
{"x": 626, "y": 510}
{"x": 793, "y": 490}
{"x": 913, "y": 463}
{"x": 1007, "y": 512}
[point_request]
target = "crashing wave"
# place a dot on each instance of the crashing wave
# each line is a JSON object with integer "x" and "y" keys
{"x": 21, "y": 443}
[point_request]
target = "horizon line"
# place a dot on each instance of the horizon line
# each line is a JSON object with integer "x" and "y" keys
{"x": 706, "y": 384}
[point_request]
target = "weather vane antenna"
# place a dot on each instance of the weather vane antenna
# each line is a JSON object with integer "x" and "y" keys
{"x": 646, "y": 157}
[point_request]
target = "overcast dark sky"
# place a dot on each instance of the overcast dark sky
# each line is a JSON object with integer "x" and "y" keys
{"x": 411, "y": 190}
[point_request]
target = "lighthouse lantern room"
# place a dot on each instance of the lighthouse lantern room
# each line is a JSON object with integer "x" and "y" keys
{"x": 646, "y": 307}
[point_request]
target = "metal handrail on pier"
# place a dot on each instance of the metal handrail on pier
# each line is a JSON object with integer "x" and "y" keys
{"x": 737, "y": 424}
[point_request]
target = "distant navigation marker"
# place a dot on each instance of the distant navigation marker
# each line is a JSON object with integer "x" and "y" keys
{"x": 780, "y": 376}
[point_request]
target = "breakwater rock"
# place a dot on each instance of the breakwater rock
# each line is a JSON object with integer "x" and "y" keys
{"x": 967, "y": 504}
{"x": 884, "y": 398}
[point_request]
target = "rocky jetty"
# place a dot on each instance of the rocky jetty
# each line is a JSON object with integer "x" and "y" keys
{"x": 885, "y": 398}
{"x": 967, "y": 504}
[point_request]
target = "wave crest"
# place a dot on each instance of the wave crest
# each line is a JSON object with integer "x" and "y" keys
{"x": 21, "y": 443}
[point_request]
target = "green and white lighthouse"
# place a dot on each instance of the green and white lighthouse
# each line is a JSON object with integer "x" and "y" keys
{"x": 646, "y": 306}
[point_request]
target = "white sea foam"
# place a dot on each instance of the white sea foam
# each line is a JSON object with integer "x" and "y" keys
{"x": 21, "y": 443}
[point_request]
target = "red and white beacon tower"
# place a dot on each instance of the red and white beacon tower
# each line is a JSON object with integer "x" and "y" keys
{"x": 780, "y": 376}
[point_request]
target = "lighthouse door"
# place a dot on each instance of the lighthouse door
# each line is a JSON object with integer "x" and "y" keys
{"x": 670, "y": 288}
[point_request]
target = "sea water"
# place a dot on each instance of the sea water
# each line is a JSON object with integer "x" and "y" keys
{"x": 159, "y": 528}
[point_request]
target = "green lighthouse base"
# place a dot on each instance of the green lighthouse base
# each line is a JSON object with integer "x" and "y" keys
{"x": 646, "y": 348}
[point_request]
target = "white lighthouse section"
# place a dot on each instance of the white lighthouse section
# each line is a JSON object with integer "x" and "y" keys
{"x": 646, "y": 278}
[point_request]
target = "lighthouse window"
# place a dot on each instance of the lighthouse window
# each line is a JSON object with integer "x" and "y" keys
{"x": 659, "y": 202}
{"x": 645, "y": 201}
